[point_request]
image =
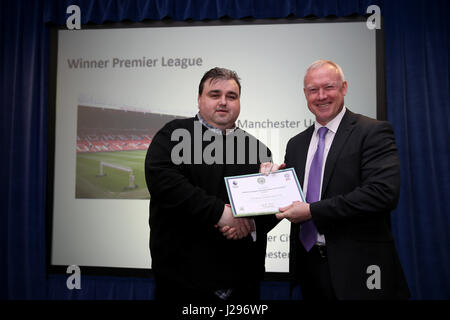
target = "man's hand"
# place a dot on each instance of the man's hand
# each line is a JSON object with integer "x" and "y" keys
{"x": 234, "y": 228}
{"x": 296, "y": 212}
{"x": 231, "y": 232}
{"x": 269, "y": 167}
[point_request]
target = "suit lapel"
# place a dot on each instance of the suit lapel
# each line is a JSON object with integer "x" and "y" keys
{"x": 345, "y": 128}
{"x": 302, "y": 152}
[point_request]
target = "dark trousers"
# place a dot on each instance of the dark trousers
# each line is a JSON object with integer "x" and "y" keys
{"x": 169, "y": 290}
{"x": 315, "y": 280}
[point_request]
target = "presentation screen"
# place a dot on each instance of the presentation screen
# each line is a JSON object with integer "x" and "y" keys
{"x": 116, "y": 87}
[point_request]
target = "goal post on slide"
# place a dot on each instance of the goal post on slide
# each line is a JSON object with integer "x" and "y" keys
{"x": 131, "y": 184}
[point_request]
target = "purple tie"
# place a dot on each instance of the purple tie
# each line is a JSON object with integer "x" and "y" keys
{"x": 308, "y": 234}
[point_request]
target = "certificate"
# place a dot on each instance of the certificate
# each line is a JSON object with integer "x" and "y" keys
{"x": 258, "y": 194}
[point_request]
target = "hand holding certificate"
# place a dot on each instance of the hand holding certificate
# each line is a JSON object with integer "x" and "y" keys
{"x": 259, "y": 194}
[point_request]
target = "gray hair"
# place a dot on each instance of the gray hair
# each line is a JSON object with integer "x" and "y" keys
{"x": 320, "y": 63}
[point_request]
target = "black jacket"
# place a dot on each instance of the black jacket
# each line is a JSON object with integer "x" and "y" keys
{"x": 187, "y": 200}
{"x": 360, "y": 188}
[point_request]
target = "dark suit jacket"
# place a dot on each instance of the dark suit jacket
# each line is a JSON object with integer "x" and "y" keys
{"x": 360, "y": 188}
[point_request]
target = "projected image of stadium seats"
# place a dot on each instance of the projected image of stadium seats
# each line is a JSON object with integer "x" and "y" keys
{"x": 111, "y": 147}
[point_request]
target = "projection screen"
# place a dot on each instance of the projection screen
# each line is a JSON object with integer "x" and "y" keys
{"x": 115, "y": 87}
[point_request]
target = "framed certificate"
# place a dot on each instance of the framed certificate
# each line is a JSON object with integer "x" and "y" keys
{"x": 259, "y": 194}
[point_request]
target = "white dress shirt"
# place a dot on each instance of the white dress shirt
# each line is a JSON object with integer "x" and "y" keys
{"x": 332, "y": 129}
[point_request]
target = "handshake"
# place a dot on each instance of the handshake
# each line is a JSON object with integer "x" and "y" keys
{"x": 234, "y": 228}
{"x": 237, "y": 228}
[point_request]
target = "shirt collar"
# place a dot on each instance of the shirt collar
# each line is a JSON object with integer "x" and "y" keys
{"x": 214, "y": 129}
{"x": 333, "y": 124}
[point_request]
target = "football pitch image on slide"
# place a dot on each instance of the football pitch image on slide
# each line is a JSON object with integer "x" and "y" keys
{"x": 111, "y": 147}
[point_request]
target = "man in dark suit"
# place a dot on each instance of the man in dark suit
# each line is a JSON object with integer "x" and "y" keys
{"x": 341, "y": 246}
{"x": 185, "y": 168}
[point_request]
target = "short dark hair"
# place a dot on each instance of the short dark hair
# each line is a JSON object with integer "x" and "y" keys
{"x": 219, "y": 73}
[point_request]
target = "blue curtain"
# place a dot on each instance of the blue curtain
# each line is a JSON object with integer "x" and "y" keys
{"x": 418, "y": 89}
{"x": 418, "y": 100}
{"x": 24, "y": 86}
